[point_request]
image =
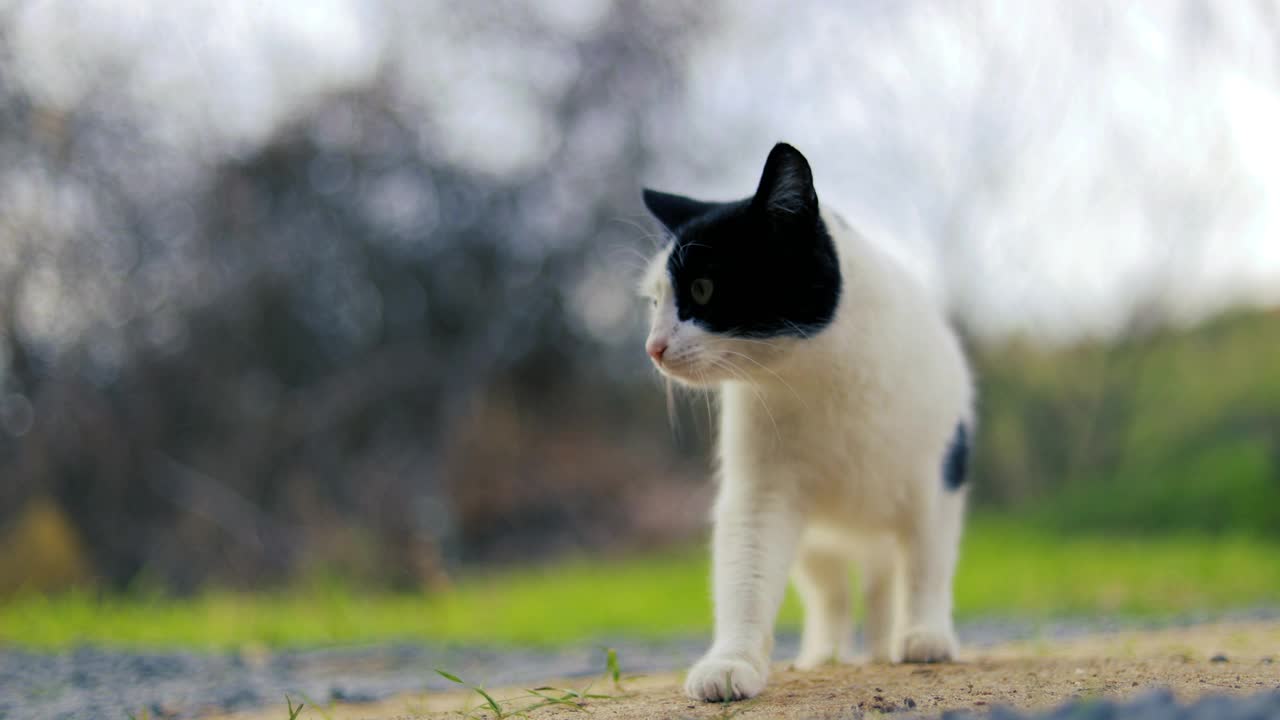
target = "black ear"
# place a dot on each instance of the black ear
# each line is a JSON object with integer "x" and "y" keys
{"x": 673, "y": 210}
{"x": 786, "y": 187}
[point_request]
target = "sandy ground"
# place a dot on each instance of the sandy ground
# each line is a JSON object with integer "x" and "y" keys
{"x": 1218, "y": 658}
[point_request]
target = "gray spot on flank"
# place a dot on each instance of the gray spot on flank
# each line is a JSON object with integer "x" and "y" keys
{"x": 955, "y": 465}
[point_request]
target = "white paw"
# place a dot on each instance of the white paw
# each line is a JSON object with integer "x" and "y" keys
{"x": 923, "y": 645}
{"x": 883, "y": 655}
{"x": 808, "y": 660}
{"x": 882, "y": 646}
{"x": 717, "y": 678}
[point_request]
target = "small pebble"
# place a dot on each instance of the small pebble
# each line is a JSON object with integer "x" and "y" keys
{"x": 1219, "y": 658}
{"x": 341, "y": 694}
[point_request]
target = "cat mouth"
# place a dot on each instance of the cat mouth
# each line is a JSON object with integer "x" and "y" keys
{"x": 688, "y": 370}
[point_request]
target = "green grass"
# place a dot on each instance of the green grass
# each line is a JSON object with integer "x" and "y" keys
{"x": 532, "y": 699}
{"x": 1007, "y": 569}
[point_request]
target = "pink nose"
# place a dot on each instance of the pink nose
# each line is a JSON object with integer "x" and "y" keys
{"x": 656, "y": 347}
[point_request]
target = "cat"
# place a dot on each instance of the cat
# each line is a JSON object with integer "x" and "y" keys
{"x": 845, "y": 424}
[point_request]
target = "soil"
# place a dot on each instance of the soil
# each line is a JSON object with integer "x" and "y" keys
{"x": 1192, "y": 662}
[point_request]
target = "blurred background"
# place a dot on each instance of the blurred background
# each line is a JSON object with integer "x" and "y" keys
{"x": 343, "y": 289}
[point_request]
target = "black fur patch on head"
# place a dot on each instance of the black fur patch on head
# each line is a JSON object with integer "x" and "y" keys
{"x": 955, "y": 465}
{"x": 760, "y": 267}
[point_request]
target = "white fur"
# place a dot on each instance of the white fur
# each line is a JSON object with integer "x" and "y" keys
{"x": 830, "y": 452}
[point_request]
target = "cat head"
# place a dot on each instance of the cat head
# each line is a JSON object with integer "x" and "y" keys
{"x": 740, "y": 283}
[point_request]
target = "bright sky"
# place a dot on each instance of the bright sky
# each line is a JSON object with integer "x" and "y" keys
{"x": 1050, "y": 167}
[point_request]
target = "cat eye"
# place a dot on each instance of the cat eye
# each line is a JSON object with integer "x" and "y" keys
{"x": 701, "y": 290}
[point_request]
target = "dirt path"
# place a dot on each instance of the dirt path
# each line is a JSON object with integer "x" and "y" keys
{"x": 1228, "y": 658}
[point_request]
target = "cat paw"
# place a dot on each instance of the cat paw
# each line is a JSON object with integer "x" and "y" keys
{"x": 928, "y": 646}
{"x": 883, "y": 646}
{"x": 809, "y": 659}
{"x": 721, "y": 678}
{"x": 883, "y": 655}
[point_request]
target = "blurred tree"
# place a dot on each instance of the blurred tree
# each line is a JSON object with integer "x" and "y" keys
{"x": 248, "y": 370}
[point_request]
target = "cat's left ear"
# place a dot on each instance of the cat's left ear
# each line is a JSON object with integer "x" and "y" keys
{"x": 673, "y": 210}
{"x": 786, "y": 190}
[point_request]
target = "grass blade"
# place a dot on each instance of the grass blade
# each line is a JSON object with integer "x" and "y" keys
{"x": 449, "y": 676}
{"x": 293, "y": 712}
{"x": 493, "y": 704}
{"x": 611, "y": 662}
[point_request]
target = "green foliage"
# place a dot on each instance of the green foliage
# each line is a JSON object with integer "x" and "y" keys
{"x": 293, "y": 712}
{"x": 1176, "y": 431}
{"x": 1007, "y": 567}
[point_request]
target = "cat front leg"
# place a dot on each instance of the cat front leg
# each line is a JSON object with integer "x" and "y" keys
{"x": 753, "y": 543}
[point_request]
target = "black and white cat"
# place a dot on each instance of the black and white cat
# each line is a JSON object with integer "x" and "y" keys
{"x": 845, "y": 419}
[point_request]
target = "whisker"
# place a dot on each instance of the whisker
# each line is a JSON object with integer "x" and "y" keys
{"x": 655, "y": 238}
{"x": 737, "y": 372}
{"x": 706, "y": 399}
{"x": 633, "y": 270}
{"x": 797, "y": 328}
{"x": 769, "y": 370}
{"x": 682, "y": 248}
{"x": 644, "y": 260}
{"x": 759, "y": 398}
{"x": 744, "y": 338}
{"x": 673, "y": 418}
{"x": 737, "y": 333}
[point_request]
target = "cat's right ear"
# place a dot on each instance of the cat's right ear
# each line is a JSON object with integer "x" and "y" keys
{"x": 786, "y": 187}
{"x": 673, "y": 211}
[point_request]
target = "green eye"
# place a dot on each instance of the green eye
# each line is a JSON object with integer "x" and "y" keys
{"x": 701, "y": 290}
